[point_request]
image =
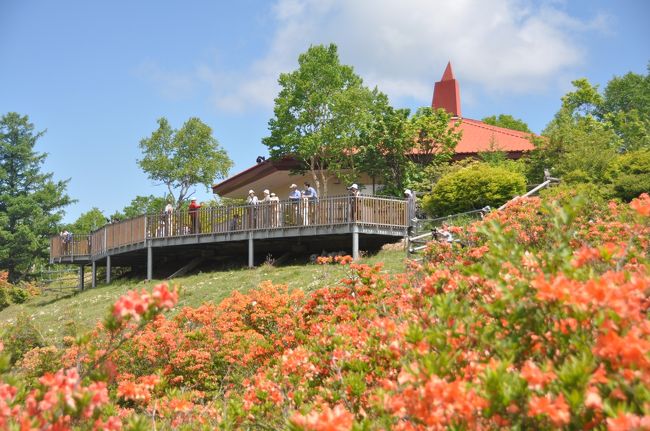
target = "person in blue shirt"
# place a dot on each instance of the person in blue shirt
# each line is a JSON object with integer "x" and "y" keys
{"x": 310, "y": 192}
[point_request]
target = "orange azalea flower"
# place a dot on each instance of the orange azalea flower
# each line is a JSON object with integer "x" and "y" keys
{"x": 628, "y": 422}
{"x": 536, "y": 378}
{"x": 557, "y": 410}
{"x": 641, "y": 204}
{"x": 336, "y": 419}
{"x": 344, "y": 260}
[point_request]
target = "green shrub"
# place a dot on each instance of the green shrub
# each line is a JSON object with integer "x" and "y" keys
{"x": 473, "y": 187}
{"x": 629, "y": 174}
{"x": 18, "y": 295}
{"x": 21, "y": 337}
{"x": 4, "y": 299}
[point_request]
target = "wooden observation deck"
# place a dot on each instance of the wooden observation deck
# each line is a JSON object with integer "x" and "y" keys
{"x": 335, "y": 223}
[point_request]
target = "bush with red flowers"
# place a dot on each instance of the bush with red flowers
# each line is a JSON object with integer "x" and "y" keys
{"x": 537, "y": 318}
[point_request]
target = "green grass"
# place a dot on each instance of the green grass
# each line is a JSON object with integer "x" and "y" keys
{"x": 56, "y": 313}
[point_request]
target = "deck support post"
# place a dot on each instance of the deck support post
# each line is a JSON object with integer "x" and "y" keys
{"x": 108, "y": 269}
{"x": 355, "y": 242}
{"x": 149, "y": 262}
{"x": 94, "y": 275}
{"x": 251, "y": 254}
{"x": 81, "y": 277}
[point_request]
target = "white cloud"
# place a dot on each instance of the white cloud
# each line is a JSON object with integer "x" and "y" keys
{"x": 403, "y": 46}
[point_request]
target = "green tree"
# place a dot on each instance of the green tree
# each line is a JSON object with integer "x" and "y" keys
{"x": 626, "y": 107}
{"x": 578, "y": 144}
{"x": 435, "y": 137}
{"x": 473, "y": 187}
{"x": 507, "y": 121}
{"x": 629, "y": 174}
{"x": 142, "y": 205}
{"x": 183, "y": 158}
{"x": 384, "y": 146}
{"x": 88, "y": 222}
{"x": 31, "y": 202}
{"x": 319, "y": 115}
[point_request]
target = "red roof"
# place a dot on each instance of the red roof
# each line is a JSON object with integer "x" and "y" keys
{"x": 479, "y": 136}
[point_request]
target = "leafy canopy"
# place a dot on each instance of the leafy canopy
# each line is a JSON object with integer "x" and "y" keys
{"x": 507, "y": 121}
{"x": 318, "y": 115}
{"x": 88, "y": 222}
{"x": 31, "y": 202}
{"x": 183, "y": 158}
{"x": 592, "y": 128}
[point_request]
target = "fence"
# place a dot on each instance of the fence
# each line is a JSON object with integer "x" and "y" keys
{"x": 70, "y": 246}
{"x": 338, "y": 210}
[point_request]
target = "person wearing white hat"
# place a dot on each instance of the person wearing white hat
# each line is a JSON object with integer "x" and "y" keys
{"x": 266, "y": 211}
{"x": 274, "y": 203}
{"x": 294, "y": 198}
{"x": 352, "y": 202}
{"x": 252, "y": 211}
{"x": 251, "y": 199}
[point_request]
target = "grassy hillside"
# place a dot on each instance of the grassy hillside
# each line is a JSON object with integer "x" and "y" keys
{"x": 56, "y": 314}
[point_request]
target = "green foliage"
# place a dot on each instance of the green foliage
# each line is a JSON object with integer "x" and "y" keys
{"x": 384, "y": 145}
{"x": 591, "y": 129}
{"x": 576, "y": 149}
{"x": 507, "y": 121}
{"x": 31, "y": 202}
{"x": 88, "y": 222}
{"x": 318, "y": 115}
{"x": 142, "y": 205}
{"x": 18, "y": 295}
{"x": 21, "y": 337}
{"x": 473, "y": 187}
{"x": 433, "y": 134}
{"x": 183, "y": 158}
{"x": 4, "y": 298}
{"x": 626, "y": 106}
{"x": 629, "y": 174}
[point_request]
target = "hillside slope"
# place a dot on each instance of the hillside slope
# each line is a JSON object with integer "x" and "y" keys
{"x": 56, "y": 314}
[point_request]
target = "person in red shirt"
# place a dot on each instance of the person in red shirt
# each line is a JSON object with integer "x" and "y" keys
{"x": 194, "y": 215}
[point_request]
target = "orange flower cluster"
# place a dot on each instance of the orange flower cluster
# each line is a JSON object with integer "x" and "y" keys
{"x": 328, "y": 419}
{"x": 136, "y": 304}
{"x": 138, "y": 390}
{"x": 539, "y": 320}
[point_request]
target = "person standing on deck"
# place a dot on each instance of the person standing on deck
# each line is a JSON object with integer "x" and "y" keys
{"x": 294, "y": 199}
{"x": 274, "y": 203}
{"x": 252, "y": 210}
{"x": 169, "y": 211}
{"x": 311, "y": 198}
{"x": 353, "y": 201}
{"x": 194, "y": 215}
{"x": 266, "y": 200}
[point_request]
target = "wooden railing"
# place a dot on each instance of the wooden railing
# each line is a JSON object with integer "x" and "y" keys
{"x": 70, "y": 246}
{"x": 367, "y": 210}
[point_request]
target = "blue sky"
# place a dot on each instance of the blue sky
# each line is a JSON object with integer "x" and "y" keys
{"x": 97, "y": 75}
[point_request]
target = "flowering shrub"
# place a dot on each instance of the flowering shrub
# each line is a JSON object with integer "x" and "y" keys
{"x": 536, "y": 319}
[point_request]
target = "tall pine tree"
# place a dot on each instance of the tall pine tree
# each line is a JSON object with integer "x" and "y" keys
{"x": 31, "y": 202}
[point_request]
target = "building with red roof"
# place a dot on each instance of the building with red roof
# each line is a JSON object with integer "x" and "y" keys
{"x": 476, "y": 137}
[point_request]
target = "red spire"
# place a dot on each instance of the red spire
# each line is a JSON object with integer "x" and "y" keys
{"x": 449, "y": 74}
{"x": 446, "y": 94}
